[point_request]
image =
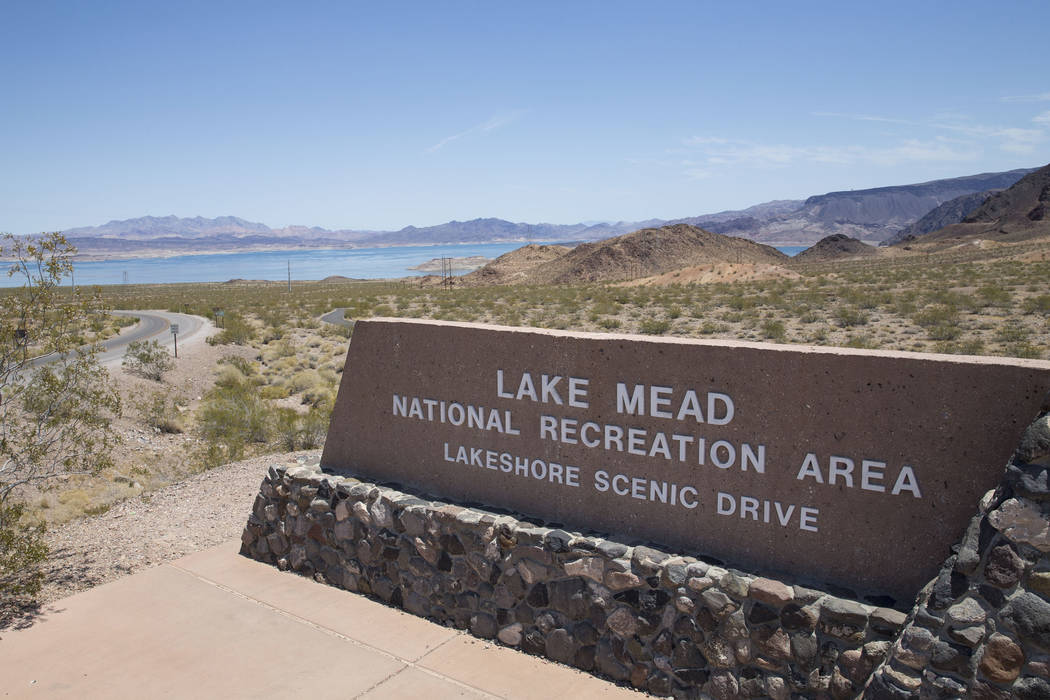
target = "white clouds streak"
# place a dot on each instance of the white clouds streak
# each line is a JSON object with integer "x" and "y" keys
{"x": 863, "y": 117}
{"x": 722, "y": 152}
{"x": 1011, "y": 139}
{"x": 1040, "y": 97}
{"x": 494, "y": 123}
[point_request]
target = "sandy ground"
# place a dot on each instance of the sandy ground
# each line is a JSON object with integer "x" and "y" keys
{"x": 146, "y": 530}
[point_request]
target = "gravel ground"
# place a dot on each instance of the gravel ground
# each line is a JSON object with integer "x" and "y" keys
{"x": 200, "y": 512}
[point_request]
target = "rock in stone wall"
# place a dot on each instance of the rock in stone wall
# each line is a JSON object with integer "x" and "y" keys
{"x": 982, "y": 628}
{"x": 669, "y": 624}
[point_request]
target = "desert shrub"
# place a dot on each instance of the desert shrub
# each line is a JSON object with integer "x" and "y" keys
{"x": 809, "y": 316}
{"x": 147, "y": 359}
{"x": 232, "y": 416}
{"x": 937, "y": 315}
{"x": 228, "y": 375}
{"x": 275, "y": 391}
{"x": 22, "y": 551}
{"x": 319, "y": 394}
{"x": 710, "y": 327}
{"x": 741, "y": 302}
{"x": 245, "y": 366}
{"x": 237, "y": 331}
{"x": 270, "y": 334}
{"x": 944, "y": 331}
{"x": 862, "y": 340}
{"x": 963, "y": 347}
{"x": 286, "y": 429}
{"x": 609, "y": 323}
{"x": 1025, "y": 349}
{"x": 274, "y": 317}
{"x": 301, "y": 431}
{"x": 848, "y": 316}
{"x": 55, "y": 415}
{"x": 654, "y": 326}
{"x": 556, "y": 322}
{"x": 306, "y": 380}
{"x": 994, "y": 295}
{"x": 1038, "y": 304}
{"x": 160, "y": 409}
{"x": 1009, "y": 333}
{"x": 904, "y": 306}
{"x": 773, "y": 329}
{"x": 382, "y": 310}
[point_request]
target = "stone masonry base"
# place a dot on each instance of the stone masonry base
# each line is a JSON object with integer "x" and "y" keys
{"x": 668, "y": 624}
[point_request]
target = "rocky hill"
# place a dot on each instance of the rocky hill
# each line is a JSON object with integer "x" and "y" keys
{"x": 836, "y": 247}
{"x": 644, "y": 253}
{"x": 951, "y": 212}
{"x": 516, "y": 267}
{"x": 1019, "y": 213}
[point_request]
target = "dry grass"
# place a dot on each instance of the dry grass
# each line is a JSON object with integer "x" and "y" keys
{"x": 952, "y": 302}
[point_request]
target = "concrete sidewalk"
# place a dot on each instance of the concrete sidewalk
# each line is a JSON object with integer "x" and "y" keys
{"x": 216, "y": 624}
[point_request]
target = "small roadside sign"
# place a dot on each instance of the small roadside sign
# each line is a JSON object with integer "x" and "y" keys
{"x": 174, "y": 328}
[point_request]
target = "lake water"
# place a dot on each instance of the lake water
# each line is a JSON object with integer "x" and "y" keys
{"x": 360, "y": 263}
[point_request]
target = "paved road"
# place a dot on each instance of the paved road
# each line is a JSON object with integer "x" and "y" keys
{"x": 152, "y": 324}
{"x": 337, "y": 317}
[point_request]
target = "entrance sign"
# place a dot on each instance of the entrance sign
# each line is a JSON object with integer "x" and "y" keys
{"x": 856, "y": 468}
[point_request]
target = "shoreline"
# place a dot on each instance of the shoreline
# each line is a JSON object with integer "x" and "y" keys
{"x": 163, "y": 253}
{"x": 167, "y": 253}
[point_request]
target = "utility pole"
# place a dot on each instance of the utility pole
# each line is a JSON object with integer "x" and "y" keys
{"x": 289, "y": 275}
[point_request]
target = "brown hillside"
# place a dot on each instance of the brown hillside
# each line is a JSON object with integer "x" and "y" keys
{"x": 515, "y": 267}
{"x": 716, "y": 273}
{"x": 654, "y": 251}
{"x": 836, "y": 247}
{"x": 1020, "y": 213}
{"x": 648, "y": 252}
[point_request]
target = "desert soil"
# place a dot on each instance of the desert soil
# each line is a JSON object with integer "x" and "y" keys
{"x": 205, "y": 510}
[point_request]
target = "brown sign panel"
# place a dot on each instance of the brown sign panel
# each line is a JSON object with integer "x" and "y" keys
{"x": 858, "y": 468}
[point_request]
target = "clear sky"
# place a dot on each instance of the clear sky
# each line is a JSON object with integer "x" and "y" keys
{"x": 377, "y": 115}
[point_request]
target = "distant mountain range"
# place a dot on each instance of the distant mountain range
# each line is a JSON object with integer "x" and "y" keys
{"x": 1019, "y": 213}
{"x": 951, "y": 212}
{"x": 873, "y": 215}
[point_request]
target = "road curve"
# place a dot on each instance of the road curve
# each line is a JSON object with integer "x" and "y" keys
{"x": 337, "y": 317}
{"x": 153, "y": 324}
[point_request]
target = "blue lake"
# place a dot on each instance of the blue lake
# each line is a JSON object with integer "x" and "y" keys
{"x": 360, "y": 263}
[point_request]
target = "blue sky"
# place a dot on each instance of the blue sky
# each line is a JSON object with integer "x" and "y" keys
{"x": 380, "y": 115}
